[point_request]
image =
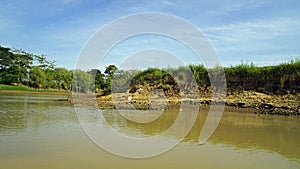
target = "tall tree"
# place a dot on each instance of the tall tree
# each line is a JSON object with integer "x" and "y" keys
{"x": 63, "y": 78}
{"x": 48, "y": 67}
{"x": 82, "y": 81}
{"x": 5, "y": 62}
{"x": 50, "y": 78}
{"x": 36, "y": 77}
{"x": 14, "y": 65}
{"x": 109, "y": 71}
{"x": 99, "y": 78}
{"x": 22, "y": 64}
{"x": 43, "y": 62}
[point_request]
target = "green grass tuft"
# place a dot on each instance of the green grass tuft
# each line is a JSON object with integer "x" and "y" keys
{"x": 25, "y": 88}
{"x": 10, "y": 87}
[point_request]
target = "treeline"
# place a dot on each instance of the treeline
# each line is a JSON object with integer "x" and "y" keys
{"x": 22, "y": 68}
{"x": 18, "y": 67}
{"x": 280, "y": 79}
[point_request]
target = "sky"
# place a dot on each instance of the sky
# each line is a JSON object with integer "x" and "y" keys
{"x": 263, "y": 32}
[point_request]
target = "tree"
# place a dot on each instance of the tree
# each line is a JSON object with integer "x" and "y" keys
{"x": 21, "y": 65}
{"x": 109, "y": 71}
{"x": 36, "y": 77}
{"x": 50, "y": 78}
{"x": 14, "y": 65}
{"x": 99, "y": 78}
{"x": 63, "y": 78}
{"x": 44, "y": 63}
{"x": 82, "y": 81}
{"x": 5, "y": 62}
{"x": 48, "y": 67}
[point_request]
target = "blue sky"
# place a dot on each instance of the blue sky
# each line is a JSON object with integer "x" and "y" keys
{"x": 262, "y": 32}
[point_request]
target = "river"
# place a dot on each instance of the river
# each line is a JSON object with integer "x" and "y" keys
{"x": 38, "y": 131}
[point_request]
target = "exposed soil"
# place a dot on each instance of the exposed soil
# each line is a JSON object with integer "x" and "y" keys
{"x": 260, "y": 103}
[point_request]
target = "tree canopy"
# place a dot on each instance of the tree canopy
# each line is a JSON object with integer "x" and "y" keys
{"x": 23, "y": 68}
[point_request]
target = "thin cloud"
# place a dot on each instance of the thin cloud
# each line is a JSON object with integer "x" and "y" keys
{"x": 256, "y": 41}
{"x": 226, "y": 7}
{"x": 238, "y": 29}
{"x": 167, "y": 2}
{"x": 256, "y": 30}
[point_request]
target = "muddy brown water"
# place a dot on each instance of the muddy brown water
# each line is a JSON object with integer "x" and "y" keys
{"x": 37, "y": 131}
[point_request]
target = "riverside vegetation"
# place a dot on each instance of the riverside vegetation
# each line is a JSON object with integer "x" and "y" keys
{"x": 268, "y": 89}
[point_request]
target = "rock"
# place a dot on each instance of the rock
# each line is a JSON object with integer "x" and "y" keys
{"x": 266, "y": 106}
{"x": 285, "y": 107}
{"x": 241, "y": 104}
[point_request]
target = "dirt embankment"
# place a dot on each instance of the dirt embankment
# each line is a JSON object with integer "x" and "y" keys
{"x": 260, "y": 103}
{"x": 288, "y": 104}
{"x": 166, "y": 93}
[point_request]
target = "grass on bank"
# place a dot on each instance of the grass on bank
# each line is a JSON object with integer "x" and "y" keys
{"x": 11, "y": 87}
{"x": 25, "y": 89}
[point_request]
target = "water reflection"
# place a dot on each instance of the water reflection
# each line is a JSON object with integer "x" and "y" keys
{"x": 20, "y": 113}
{"x": 27, "y": 113}
{"x": 272, "y": 133}
{"x": 239, "y": 130}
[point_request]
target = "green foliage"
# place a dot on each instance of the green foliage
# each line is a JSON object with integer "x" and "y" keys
{"x": 14, "y": 65}
{"x": 278, "y": 78}
{"x": 37, "y": 77}
{"x": 10, "y": 87}
{"x": 122, "y": 79}
{"x": 83, "y": 82}
{"x": 151, "y": 74}
{"x": 110, "y": 70}
{"x": 43, "y": 63}
{"x": 22, "y": 68}
{"x": 99, "y": 78}
{"x": 62, "y": 78}
{"x": 200, "y": 74}
{"x": 109, "y": 74}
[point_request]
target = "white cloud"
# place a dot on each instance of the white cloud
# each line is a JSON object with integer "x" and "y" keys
{"x": 256, "y": 41}
{"x": 61, "y": 27}
{"x": 226, "y": 7}
{"x": 168, "y": 2}
{"x": 254, "y": 31}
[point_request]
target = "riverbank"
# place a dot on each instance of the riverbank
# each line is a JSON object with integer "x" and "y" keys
{"x": 251, "y": 101}
{"x": 288, "y": 104}
{"x": 24, "y": 89}
{"x": 35, "y": 92}
{"x": 239, "y": 100}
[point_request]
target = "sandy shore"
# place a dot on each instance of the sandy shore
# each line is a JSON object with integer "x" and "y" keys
{"x": 240, "y": 101}
{"x": 249, "y": 101}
